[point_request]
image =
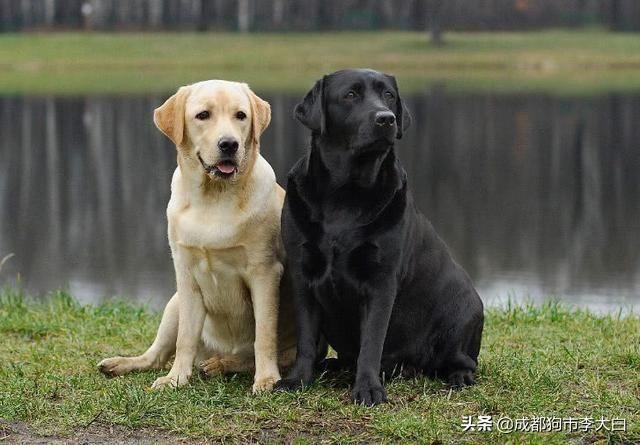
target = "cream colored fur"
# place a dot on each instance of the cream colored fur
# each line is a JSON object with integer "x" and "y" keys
{"x": 224, "y": 235}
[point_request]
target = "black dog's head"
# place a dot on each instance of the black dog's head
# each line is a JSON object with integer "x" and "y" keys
{"x": 361, "y": 107}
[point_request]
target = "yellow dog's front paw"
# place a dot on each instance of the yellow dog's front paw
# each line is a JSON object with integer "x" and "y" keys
{"x": 169, "y": 381}
{"x": 164, "y": 382}
{"x": 264, "y": 383}
{"x": 114, "y": 367}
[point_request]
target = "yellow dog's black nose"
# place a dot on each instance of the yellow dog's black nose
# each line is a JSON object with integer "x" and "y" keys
{"x": 228, "y": 145}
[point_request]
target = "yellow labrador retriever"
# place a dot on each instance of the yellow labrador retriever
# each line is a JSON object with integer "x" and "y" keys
{"x": 224, "y": 233}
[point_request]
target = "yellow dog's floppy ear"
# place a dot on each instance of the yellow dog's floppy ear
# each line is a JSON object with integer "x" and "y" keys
{"x": 261, "y": 112}
{"x": 169, "y": 117}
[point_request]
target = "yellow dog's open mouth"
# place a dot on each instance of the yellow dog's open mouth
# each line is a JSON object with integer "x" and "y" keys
{"x": 223, "y": 168}
{"x": 226, "y": 167}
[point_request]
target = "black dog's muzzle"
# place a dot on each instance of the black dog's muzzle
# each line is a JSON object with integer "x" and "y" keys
{"x": 384, "y": 125}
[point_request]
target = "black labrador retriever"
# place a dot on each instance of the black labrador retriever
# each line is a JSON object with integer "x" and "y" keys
{"x": 370, "y": 275}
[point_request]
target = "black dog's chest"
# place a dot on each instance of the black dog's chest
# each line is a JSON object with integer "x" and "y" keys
{"x": 340, "y": 267}
{"x": 342, "y": 248}
{"x": 341, "y": 257}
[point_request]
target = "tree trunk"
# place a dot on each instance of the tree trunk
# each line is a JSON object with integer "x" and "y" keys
{"x": 49, "y": 13}
{"x": 614, "y": 15}
{"x": 155, "y": 14}
{"x": 434, "y": 11}
{"x": 244, "y": 19}
{"x": 278, "y": 14}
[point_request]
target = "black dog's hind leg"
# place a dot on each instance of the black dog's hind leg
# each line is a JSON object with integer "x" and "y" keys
{"x": 459, "y": 372}
{"x": 368, "y": 389}
{"x": 460, "y": 369}
{"x": 310, "y": 344}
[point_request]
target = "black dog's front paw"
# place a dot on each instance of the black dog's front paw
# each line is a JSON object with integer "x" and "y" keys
{"x": 461, "y": 378}
{"x": 368, "y": 393}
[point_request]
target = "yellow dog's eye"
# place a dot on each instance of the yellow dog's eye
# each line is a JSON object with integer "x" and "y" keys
{"x": 203, "y": 115}
{"x": 241, "y": 115}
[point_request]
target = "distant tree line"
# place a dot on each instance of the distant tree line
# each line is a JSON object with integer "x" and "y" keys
{"x": 303, "y": 15}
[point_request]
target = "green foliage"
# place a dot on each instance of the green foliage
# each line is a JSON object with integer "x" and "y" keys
{"x": 535, "y": 361}
{"x": 568, "y": 62}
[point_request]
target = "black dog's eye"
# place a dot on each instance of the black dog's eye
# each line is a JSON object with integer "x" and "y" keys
{"x": 388, "y": 95}
{"x": 203, "y": 115}
{"x": 241, "y": 115}
{"x": 350, "y": 95}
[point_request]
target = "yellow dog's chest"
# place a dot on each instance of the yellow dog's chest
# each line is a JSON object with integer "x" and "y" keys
{"x": 219, "y": 275}
{"x": 211, "y": 229}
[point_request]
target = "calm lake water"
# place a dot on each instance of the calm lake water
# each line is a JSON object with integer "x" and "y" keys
{"x": 537, "y": 196}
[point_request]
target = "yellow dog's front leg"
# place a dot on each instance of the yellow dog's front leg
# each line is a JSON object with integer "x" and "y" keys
{"x": 264, "y": 284}
{"x": 190, "y": 323}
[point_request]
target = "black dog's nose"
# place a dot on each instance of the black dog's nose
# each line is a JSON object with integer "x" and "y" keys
{"x": 228, "y": 145}
{"x": 385, "y": 118}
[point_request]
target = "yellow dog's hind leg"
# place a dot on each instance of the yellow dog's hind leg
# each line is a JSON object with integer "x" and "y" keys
{"x": 220, "y": 364}
{"x": 158, "y": 353}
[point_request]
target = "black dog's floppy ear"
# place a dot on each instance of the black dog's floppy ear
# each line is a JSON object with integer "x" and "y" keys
{"x": 403, "y": 118}
{"x": 311, "y": 110}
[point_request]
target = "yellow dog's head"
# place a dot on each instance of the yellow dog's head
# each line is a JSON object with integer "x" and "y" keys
{"x": 216, "y": 126}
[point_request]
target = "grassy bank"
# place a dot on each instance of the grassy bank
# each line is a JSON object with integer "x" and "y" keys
{"x": 535, "y": 361}
{"x": 582, "y": 62}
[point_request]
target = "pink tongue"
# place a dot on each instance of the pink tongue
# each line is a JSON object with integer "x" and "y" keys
{"x": 226, "y": 168}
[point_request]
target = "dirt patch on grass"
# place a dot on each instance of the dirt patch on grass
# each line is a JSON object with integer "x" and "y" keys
{"x": 21, "y": 433}
{"x": 320, "y": 433}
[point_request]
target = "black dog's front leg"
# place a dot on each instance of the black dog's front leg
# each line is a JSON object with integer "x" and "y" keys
{"x": 376, "y": 312}
{"x": 308, "y": 327}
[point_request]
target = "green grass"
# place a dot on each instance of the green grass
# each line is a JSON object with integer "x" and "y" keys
{"x": 566, "y": 62}
{"x": 535, "y": 361}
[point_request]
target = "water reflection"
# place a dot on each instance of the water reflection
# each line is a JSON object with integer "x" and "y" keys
{"x": 536, "y": 195}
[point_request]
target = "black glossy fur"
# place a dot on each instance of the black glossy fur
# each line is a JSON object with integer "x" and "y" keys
{"x": 369, "y": 273}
